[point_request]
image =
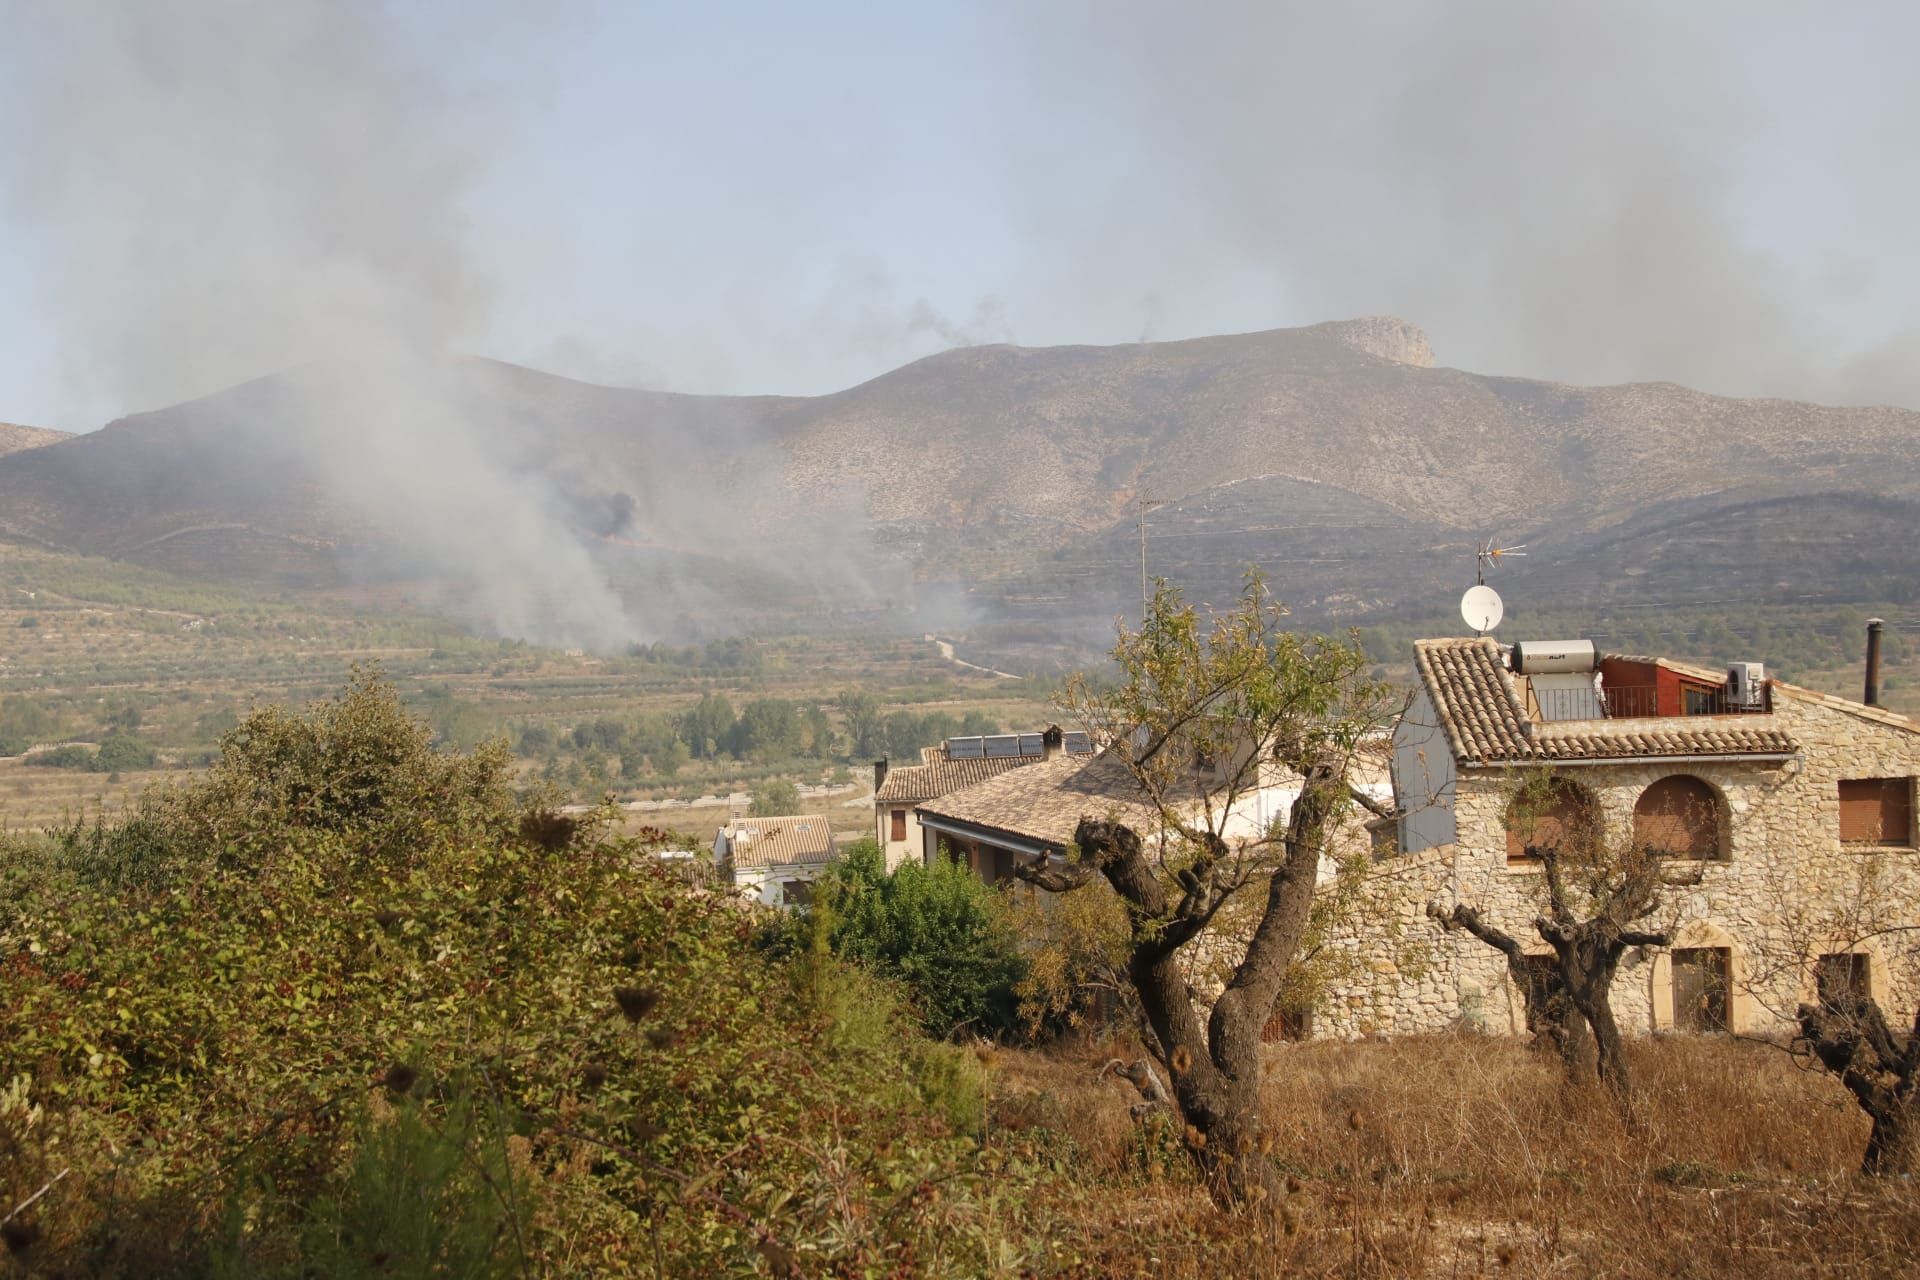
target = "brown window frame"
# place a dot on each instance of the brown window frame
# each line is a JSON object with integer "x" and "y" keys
{"x": 898, "y": 830}
{"x": 1650, "y": 827}
{"x": 1875, "y": 805}
{"x": 1856, "y": 982}
{"x": 1572, "y": 803}
{"x": 1292, "y": 1021}
{"x": 1712, "y": 1013}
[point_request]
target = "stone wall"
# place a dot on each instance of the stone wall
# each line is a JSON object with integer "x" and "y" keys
{"x": 1786, "y": 888}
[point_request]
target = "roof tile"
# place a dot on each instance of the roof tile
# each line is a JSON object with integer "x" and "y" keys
{"x": 1480, "y": 711}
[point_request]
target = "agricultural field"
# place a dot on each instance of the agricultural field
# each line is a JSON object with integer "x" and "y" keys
{"x": 94, "y": 652}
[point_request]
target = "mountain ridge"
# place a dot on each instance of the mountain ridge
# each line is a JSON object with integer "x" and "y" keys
{"x": 1009, "y": 473}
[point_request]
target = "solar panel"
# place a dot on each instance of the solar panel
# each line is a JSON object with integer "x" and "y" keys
{"x": 965, "y": 748}
{"x": 1001, "y": 745}
{"x": 1031, "y": 745}
{"x": 1078, "y": 741}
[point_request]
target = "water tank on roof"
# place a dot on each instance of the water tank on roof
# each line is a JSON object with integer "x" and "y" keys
{"x": 1548, "y": 657}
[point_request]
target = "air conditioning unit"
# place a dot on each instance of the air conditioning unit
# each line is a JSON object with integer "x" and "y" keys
{"x": 1747, "y": 686}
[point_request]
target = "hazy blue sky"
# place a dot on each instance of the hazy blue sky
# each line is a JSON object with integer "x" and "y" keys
{"x": 793, "y": 197}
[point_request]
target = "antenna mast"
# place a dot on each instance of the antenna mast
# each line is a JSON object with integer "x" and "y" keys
{"x": 1144, "y": 503}
{"x": 1486, "y": 555}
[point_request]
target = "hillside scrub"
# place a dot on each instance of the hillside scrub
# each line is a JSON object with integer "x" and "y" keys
{"x": 346, "y": 1006}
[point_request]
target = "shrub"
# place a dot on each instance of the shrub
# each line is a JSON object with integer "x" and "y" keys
{"x": 774, "y": 798}
{"x": 940, "y": 931}
{"x": 369, "y": 1015}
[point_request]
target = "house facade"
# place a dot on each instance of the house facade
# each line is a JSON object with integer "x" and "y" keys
{"x": 1776, "y": 811}
{"x": 774, "y": 860}
{"x": 955, "y": 765}
{"x": 995, "y": 825}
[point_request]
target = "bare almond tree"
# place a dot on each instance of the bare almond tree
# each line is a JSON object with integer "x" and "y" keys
{"x": 1835, "y": 952}
{"x": 1203, "y": 716}
{"x": 1596, "y": 896}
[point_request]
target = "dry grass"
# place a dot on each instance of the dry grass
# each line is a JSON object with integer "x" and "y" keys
{"x": 1459, "y": 1156}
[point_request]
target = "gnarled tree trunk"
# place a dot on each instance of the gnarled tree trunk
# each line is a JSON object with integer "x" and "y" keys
{"x": 1850, "y": 1037}
{"x": 1551, "y": 1015}
{"x": 1216, "y": 1076}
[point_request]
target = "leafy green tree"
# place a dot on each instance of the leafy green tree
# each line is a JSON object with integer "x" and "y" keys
{"x": 1243, "y": 694}
{"x": 768, "y": 729}
{"x": 775, "y": 798}
{"x": 975, "y": 724}
{"x": 605, "y": 733}
{"x": 866, "y": 728}
{"x": 383, "y": 1019}
{"x": 940, "y": 930}
{"x": 818, "y": 731}
{"x": 121, "y": 752}
{"x": 24, "y": 722}
{"x": 906, "y": 732}
{"x": 707, "y": 726}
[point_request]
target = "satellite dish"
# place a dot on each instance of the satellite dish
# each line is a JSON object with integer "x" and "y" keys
{"x": 1481, "y": 608}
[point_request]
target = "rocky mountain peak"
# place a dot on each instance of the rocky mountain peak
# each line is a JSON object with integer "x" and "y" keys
{"x": 1388, "y": 337}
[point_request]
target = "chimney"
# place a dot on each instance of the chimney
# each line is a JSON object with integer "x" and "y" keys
{"x": 879, "y": 773}
{"x": 1873, "y": 662}
{"x": 1053, "y": 742}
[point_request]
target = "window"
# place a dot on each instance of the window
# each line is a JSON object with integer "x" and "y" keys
{"x": 1876, "y": 811}
{"x": 1702, "y": 977}
{"x": 1549, "y": 820}
{"x": 1292, "y": 1020}
{"x": 1678, "y": 817}
{"x": 1843, "y": 978}
{"x": 795, "y": 893}
{"x": 899, "y": 829}
{"x": 1544, "y": 984}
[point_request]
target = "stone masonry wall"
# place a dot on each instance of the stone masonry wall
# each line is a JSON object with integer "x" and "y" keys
{"x": 1785, "y": 875}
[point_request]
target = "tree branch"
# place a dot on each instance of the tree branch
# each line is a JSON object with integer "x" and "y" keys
{"x": 1469, "y": 919}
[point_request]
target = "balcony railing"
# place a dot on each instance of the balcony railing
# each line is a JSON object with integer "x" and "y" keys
{"x": 1631, "y": 701}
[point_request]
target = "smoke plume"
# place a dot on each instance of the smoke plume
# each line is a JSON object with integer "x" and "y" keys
{"x": 1566, "y": 191}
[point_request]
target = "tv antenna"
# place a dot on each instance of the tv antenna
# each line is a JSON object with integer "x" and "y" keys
{"x": 1481, "y": 606}
{"x": 1487, "y": 555}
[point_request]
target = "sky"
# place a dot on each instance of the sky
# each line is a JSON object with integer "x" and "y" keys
{"x": 774, "y": 197}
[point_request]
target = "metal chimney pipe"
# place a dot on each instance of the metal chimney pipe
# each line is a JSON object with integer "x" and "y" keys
{"x": 1873, "y": 662}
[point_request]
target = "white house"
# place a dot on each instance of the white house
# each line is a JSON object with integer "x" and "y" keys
{"x": 954, "y": 765}
{"x": 774, "y": 860}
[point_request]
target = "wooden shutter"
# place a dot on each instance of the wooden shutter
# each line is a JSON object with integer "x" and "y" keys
{"x": 1876, "y": 811}
{"x": 1678, "y": 816}
{"x": 899, "y": 831}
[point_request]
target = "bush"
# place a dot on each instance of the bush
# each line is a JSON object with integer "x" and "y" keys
{"x": 67, "y": 756}
{"x": 940, "y": 931}
{"x": 122, "y": 751}
{"x": 344, "y": 1007}
{"x": 775, "y": 798}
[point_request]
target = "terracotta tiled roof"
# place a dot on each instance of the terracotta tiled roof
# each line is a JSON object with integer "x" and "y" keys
{"x": 1480, "y": 710}
{"x": 937, "y": 775}
{"x": 779, "y": 842}
{"x": 1045, "y": 801}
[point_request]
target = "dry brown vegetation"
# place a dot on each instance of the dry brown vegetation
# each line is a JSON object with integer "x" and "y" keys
{"x": 1465, "y": 1156}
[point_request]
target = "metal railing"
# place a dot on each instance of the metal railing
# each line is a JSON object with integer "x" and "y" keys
{"x": 1631, "y": 701}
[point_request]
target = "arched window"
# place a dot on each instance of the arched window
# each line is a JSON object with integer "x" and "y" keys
{"x": 1551, "y": 816}
{"x": 1678, "y": 817}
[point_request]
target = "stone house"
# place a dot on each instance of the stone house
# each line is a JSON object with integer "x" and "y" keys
{"x": 774, "y": 860}
{"x": 1769, "y": 800}
{"x": 955, "y": 765}
{"x": 1035, "y": 811}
